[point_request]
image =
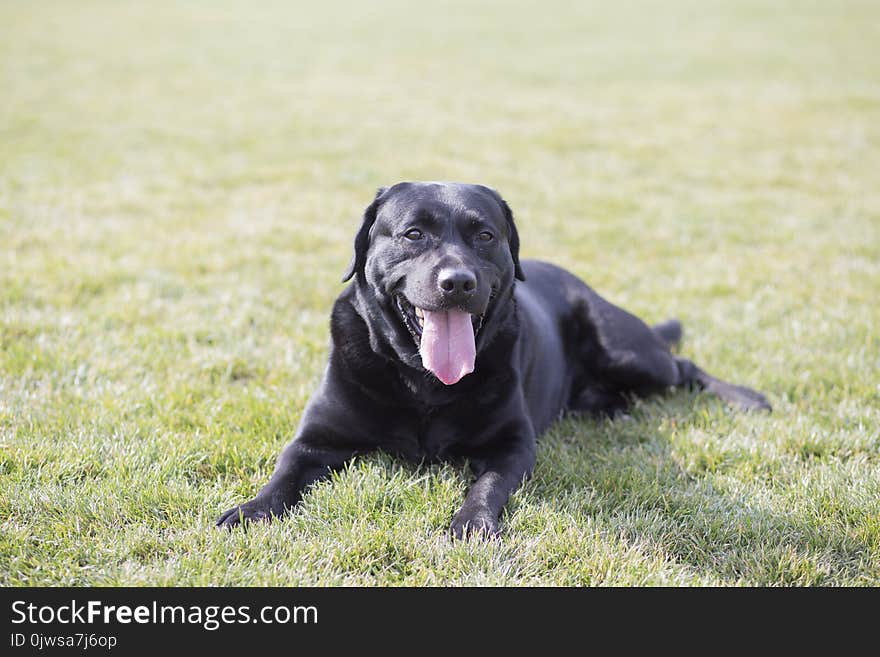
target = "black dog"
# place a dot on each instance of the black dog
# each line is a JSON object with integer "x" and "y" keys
{"x": 446, "y": 346}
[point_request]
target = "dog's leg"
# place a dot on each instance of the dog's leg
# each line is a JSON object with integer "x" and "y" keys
{"x": 497, "y": 477}
{"x": 690, "y": 375}
{"x": 299, "y": 466}
{"x": 631, "y": 358}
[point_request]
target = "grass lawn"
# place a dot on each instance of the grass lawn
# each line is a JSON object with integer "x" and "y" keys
{"x": 179, "y": 187}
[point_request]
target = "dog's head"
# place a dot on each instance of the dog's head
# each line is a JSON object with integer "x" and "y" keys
{"x": 435, "y": 257}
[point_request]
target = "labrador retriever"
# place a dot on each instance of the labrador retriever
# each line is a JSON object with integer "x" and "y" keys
{"x": 446, "y": 346}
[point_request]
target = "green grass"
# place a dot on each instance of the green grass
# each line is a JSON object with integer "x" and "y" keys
{"x": 179, "y": 186}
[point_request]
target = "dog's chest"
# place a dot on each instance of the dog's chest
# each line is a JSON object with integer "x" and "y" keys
{"x": 440, "y": 424}
{"x": 433, "y": 436}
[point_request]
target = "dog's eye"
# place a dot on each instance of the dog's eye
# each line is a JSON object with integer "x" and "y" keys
{"x": 486, "y": 236}
{"x": 413, "y": 234}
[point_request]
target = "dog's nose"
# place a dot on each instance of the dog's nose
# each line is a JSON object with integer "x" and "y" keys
{"x": 456, "y": 283}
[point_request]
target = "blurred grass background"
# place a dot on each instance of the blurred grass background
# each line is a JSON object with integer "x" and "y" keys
{"x": 179, "y": 187}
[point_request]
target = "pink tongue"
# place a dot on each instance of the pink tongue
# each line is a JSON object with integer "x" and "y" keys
{"x": 447, "y": 345}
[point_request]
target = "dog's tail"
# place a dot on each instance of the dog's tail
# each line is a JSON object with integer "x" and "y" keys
{"x": 669, "y": 331}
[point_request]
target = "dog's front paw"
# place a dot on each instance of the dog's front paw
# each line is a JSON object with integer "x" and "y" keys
{"x": 257, "y": 510}
{"x": 474, "y": 522}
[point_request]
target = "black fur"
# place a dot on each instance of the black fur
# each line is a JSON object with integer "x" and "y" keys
{"x": 546, "y": 344}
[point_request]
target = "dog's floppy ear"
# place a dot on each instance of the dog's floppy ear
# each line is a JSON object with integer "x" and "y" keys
{"x": 362, "y": 239}
{"x": 512, "y": 239}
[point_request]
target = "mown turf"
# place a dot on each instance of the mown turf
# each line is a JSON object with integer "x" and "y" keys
{"x": 179, "y": 185}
